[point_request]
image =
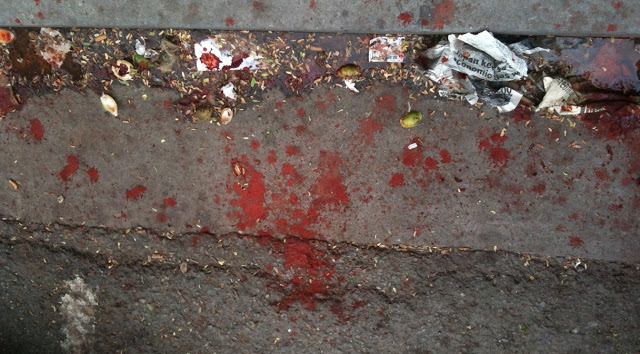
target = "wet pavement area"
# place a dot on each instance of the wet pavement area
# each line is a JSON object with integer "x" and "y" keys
{"x": 308, "y": 185}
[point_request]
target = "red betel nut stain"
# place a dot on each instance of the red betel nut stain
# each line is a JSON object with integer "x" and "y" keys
{"x": 70, "y": 169}
{"x": 169, "y": 202}
{"x": 405, "y": 17}
{"x": 136, "y": 192}
{"x": 397, "y": 180}
{"x": 93, "y": 174}
{"x": 36, "y": 130}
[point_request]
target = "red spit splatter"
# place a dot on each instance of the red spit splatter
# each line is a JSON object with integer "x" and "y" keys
{"x": 521, "y": 113}
{"x": 312, "y": 4}
{"x": 412, "y": 157}
{"x": 321, "y": 106}
{"x": 18, "y": 21}
{"x": 444, "y": 12}
{"x": 612, "y": 28}
{"x": 272, "y": 157}
{"x": 313, "y": 274}
{"x": 498, "y": 154}
{"x": 255, "y": 145}
{"x": 328, "y": 190}
{"x": 430, "y": 164}
{"x": 367, "y": 128}
{"x": 136, "y": 192}
{"x": 405, "y": 17}
{"x": 292, "y": 150}
{"x": 229, "y": 21}
{"x": 445, "y": 156}
{"x": 301, "y": 112}
{"x": 294, "y": 177}
{"x": 169, "y": 202}
{"x": 210, "y": 60}
{"x": 40, "y": 15}
{"x": 575, "y": 242}
{"x": 36, "y": 130}
{"x": 250, "y": 197}
{"x": 397, "y": 180}
{"x": 93, "y": 174}
{"x": 70, "y": 169}
{"x": 385, "y": 103}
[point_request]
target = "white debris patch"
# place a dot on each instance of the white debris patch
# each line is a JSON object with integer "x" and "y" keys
{"x": 78, "y": 312}
{"x": 386, "y": 49}
{"x": 53, "y": 46}
{"x": 211, "y": 56}
{"x": 229, "y": 91}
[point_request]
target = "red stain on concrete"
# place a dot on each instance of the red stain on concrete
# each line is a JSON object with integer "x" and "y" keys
{"x": 321, "y": 106}
{"x": 272, "y": 157}
{"x": 313, "y": 274}
{"x": 136, "y": 192}
{"x": 575, "y": 242}
{"x": 445, "y": 156}
{"x": 294, "y": 177}
{"x": 368, "y": 126}
{"x": 617, "y": 5}
{"x": 312, "y": 4}
{"x": 540, "y": 188}
{"x": 412, "y": 157}
{"x": 250, "y": 198}
{"x": 229, "y": 21}
{"x": 430, "y": 164}
{"x": 612, "y": 28}
{"x": 36, "y": 130}
{"x": 397, "y": 180}
{"x": 602, "y": 174}
{"x": 301, "y": 112}
{"x": 169, "y": 202}
{"x": 329, "y": 190}
{"x": 497, "y": 154}
{"x": 255, "y": 145}
{"x": 18, "y": 21}
{"x": 93, "y": 174}
{"x": 406, "y": 18}
{"x": 69, "y": 169}
{"x": 385, "y": 103}
{"x": 521, "y": 113}
{"x": 444, "y": 13}
{"x": 292, "y": 150}
{"x": 40, "y": 15}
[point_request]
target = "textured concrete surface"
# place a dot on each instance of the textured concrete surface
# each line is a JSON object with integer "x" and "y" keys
{"x": 140, "y": 292}
{"x": 330, "y": 165}
{"x": 558, "y": 17}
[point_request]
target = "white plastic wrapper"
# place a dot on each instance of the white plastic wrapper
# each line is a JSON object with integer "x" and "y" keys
{"x": 386, "y": 49}
{"x": 210, "y": 57}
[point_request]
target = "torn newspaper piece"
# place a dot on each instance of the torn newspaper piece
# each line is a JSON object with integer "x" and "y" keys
{"x": 457, "y": 64}
{"x": 386, "y": 49}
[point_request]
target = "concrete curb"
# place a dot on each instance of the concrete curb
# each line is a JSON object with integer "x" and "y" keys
{"x": 584, "y": 18}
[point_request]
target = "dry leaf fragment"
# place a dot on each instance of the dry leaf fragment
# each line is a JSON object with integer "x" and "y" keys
{"x": 109, "y": 104}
